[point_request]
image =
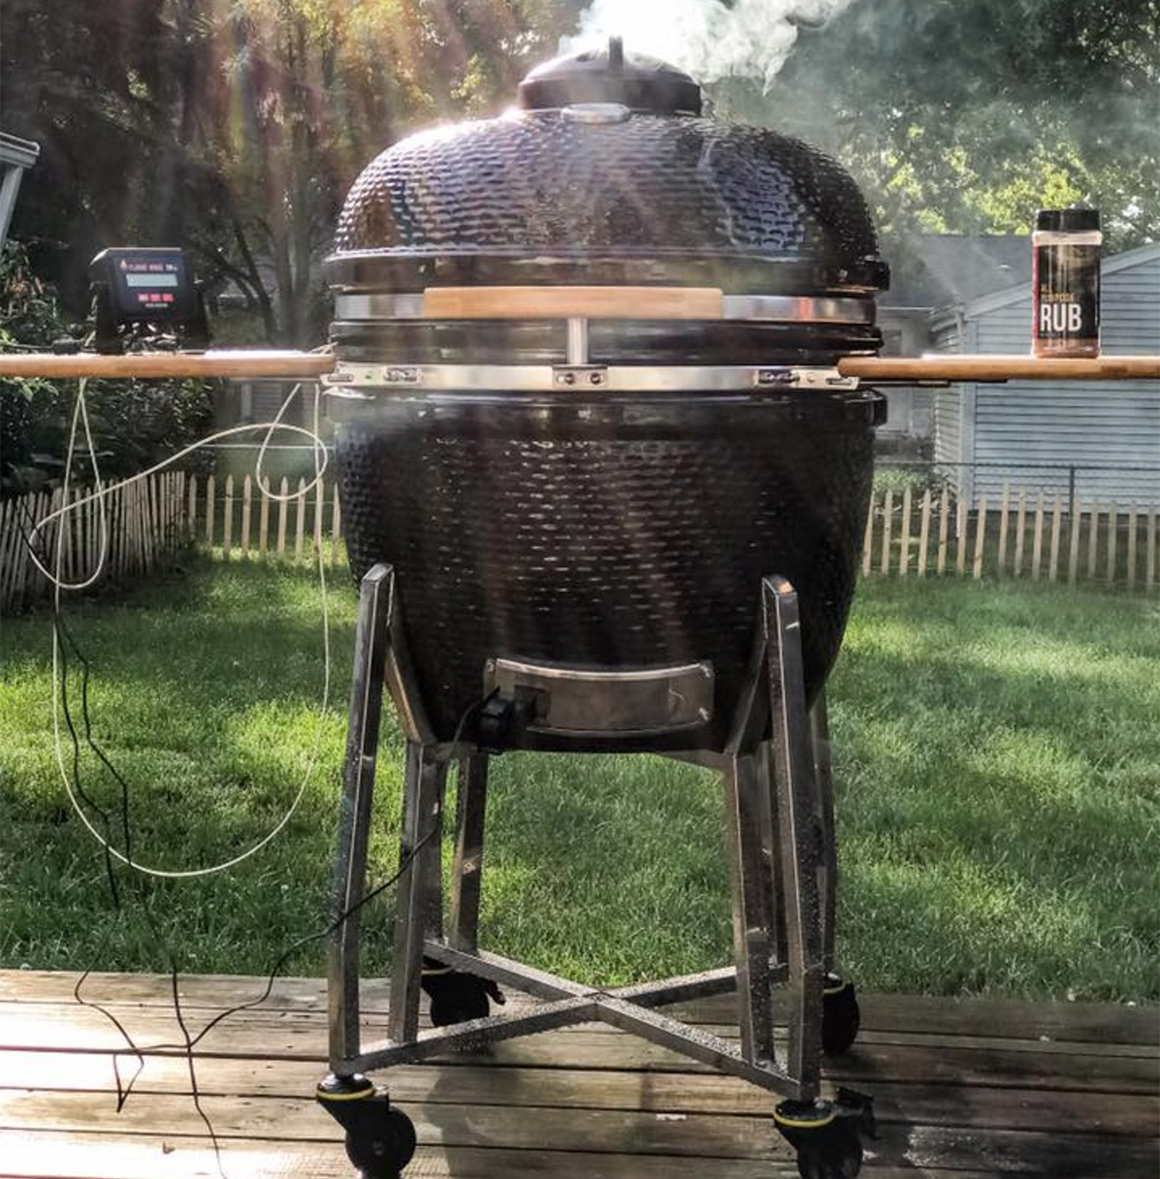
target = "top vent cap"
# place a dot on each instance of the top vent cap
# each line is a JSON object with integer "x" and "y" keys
{"x": 1077, "y": 219}
{"x": 609, "y": 75}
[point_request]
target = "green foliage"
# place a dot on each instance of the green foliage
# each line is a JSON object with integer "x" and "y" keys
{"x": 995, "y": 752}
{"x": 918, "y": 478}
{"x": 969, "y": 117}
{"x": 236, "y": 129}
{"x": 134, "y": 423}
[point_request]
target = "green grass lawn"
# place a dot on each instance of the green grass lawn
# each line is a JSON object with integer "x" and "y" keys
{"x": 997, "y": 753}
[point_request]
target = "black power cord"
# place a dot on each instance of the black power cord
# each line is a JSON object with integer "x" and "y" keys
{"x": 62, "y": 632}
{"x": 339, "y": 921}
{"x": 189, "y": 1042}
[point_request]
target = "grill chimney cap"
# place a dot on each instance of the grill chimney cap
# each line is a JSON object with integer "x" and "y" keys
{"x": 609, "y": 75}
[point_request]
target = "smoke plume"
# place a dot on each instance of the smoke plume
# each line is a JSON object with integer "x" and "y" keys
{"x": 710, "y": 39}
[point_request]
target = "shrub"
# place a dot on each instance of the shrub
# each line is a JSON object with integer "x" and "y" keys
{"x": 134, "y": 423}
{"x": 918, "y": 478}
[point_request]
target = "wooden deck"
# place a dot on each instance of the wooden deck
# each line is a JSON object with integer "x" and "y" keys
{"x": 961, "y": 1089}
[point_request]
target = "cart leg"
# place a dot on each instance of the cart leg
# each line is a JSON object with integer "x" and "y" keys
{"x": 430, "y": 862}
{"x": 779, "y": 951}
{"x": 415, "y": 913}
{"x": 751, "y": 907}
{"x": 798, "y": 809}
{"x": 820, "y": 743}
{"x": 467, "y": 871}
{"x": 841, "y": 1016}
{"x": 366, "y": 700}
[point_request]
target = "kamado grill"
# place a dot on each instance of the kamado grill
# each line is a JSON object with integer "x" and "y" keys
{"x": 604, "y": 488}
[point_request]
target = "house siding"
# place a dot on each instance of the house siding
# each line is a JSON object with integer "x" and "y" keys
{"x": 909, "y": 414}
{"x": 1102, "y": 437}
{"x": 948, "y": 412}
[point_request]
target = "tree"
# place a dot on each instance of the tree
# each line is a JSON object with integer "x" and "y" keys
{"x": 314, "y": 91}
{"x": 969, "y": 117}
{"x": 109, "y": 92}
{"x": 235, "y": 130}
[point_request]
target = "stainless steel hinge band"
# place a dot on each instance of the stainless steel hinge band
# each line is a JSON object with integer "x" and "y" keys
{"x": 537, "y": 378}
{"x": 749, "y": 308}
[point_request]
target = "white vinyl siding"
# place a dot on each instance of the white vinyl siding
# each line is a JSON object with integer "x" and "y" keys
{"x": 1102, "y": 430}
{"x": 948, "y": 411}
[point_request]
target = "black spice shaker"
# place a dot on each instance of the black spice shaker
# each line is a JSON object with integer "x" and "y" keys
{"x": 1065, "y": 283}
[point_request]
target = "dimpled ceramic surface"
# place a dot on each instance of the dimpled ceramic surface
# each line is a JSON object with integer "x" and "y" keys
{"x": 536, "y": 183}
{"x": 604, "y": 534}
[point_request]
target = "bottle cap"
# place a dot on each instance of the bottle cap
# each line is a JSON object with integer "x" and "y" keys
{"x": 1073, "y": 220}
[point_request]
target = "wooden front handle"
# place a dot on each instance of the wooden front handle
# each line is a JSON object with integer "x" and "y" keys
{"x": 289, "y": 365}
{"x": 573, "y": 303}
{"x": 1000, "y": 368}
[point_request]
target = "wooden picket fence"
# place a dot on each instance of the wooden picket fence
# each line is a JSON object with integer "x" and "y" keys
{"x": 1024, "y": 534}
{"x": 153, "y": 520}
{"x": 146, "y": 532}
{"x": 236, "y": 517}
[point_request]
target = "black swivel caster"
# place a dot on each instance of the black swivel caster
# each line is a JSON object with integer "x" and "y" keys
{"x": 827, "y": 1134}
{"x": 380, "y": 1140}
{"x": 840, "y": 1016}
{"x": 457, "y": 997}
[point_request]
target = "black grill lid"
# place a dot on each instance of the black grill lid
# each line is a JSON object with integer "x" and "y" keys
{"x": 607, "y": 75}
{"x": 653, "y": 196}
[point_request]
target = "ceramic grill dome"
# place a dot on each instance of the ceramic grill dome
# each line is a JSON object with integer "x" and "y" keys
{"x": 566, "y": 177}
{"x": 616, "y": 505}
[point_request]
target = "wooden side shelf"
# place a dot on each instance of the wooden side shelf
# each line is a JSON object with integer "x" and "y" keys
{"x": 240, "y": 363}
{"x": 999, "y": 368}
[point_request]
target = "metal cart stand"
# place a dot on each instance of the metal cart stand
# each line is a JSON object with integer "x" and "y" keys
{"x": 780, "y": 835}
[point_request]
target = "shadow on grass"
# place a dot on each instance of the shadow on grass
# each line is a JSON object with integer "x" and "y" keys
{"x": 225, "y": 634}
{"x": 996, "y": 754}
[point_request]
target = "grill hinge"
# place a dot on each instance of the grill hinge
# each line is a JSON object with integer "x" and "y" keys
{"x": 803, "y": 378}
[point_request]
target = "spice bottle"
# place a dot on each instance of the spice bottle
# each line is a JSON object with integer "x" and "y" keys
{"x": 1065, "y": 283}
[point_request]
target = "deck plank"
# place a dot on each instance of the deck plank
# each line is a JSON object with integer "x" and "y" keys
{"x": 296, "y": 1034}
{"x": 54, "y": 1155}
{"x": 1066, "y": 1090}
{"x": 1104, "y": 1023}
{"x": 483, "y": 1098}
{"x": 580, "y": 1130}
{"x": 51, "y": 1155}
{"x": 596, "y": 1054}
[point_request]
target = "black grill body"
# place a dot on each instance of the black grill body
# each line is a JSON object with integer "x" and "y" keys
{"x": 616, "y": 520}
{"x": 611, "y": 532}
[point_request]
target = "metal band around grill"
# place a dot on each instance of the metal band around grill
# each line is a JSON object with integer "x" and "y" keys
{"x": 365, "y": 381}
{"x": 756, "y": 308}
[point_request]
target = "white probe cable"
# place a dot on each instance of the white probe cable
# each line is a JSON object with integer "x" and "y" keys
{"x": 320, "y": 464}
{"x": 101, "y": 494}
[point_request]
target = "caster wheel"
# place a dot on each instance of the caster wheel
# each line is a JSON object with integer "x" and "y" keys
{"x": 843, "y": 1163}
{"x": 457, "y": 997}
{"x": 840, "y": 1016}
{"x": 380, "y": 1140}
{"x": 382, "y": 1150}
{"x": 827, "y": 1134}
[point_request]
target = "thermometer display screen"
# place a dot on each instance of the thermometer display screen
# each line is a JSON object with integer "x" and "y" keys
{"x": 148, "y": 283}
{"x": 151, "y": 280}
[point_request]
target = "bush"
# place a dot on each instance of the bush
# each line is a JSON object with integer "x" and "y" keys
{"x": 134, "y": 423}
{"x": 918, "y": 478}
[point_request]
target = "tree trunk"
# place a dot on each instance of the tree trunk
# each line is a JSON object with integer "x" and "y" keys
{"x": 261, "y": 295}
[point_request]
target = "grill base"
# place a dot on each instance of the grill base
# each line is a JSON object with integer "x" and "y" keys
{"x": 779, "y": 831}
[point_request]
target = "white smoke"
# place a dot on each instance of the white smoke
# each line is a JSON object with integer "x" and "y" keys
{"x": 710, "y": 39}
